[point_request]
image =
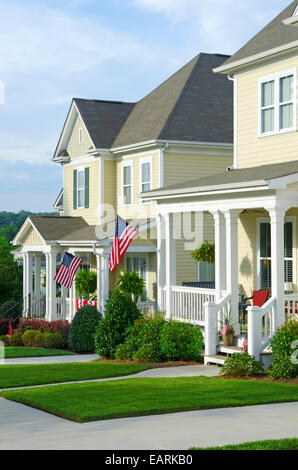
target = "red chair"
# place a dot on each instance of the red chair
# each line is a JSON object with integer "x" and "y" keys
{"x": 259, "y": 297}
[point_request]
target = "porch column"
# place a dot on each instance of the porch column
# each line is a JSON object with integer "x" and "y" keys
{"x": 160, "y": 262}
{"x": 99, "y": 282}
{"x": 28, "y": 277}
{"x": 277, "y": 219}
{"x": 51, "y": 307}
{"x": 64, "y": 291}
{"x": 72, "y": 302}
{"x": 231, "y": 217}
{"x": 24, "y": 283}
{"x": 37, "y": 275}
{"x": 220, "y": 254}
{"x": 106, "y": 280}
{"x": 170, "y": 262}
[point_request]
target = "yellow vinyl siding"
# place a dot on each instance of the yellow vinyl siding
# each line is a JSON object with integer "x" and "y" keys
{"x": 32, "y": 238}
{"x": 181, "y": 167}
{"x": 251, "y": 149}
{"x": 136, "y": 209}
{"x": 74, "y": 148}
{"x": 109, "y": 182}
{"x": 90, "y": 214}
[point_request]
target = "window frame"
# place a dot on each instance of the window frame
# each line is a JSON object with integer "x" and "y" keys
{"x": 277, "y": 103}
{"x": 143, "y": 161}
{"x": 81, "y": 170}
{"x": 126, "y": 164}
{"x": 261, "y": 220}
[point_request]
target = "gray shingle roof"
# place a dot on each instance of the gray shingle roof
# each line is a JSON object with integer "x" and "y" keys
{"x": 58, "y": 228}
{"x": 194, "y": 104}
{"x": 245, "y": 177}
{"x": 275, "y": 34}
{"x": 103, "y": 119}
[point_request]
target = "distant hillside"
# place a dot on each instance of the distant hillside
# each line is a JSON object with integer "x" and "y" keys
{"x": 10, "y": 222}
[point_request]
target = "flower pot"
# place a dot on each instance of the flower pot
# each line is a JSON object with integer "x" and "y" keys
{"x": 227, "y": 339}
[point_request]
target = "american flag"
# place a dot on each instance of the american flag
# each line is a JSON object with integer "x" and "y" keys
{"x": 67, "y": 270}
{"x": 124, "y": 235}
{"x": 225, "y": 328}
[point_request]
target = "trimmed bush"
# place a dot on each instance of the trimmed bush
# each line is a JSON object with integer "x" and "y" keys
{"x": 283, "y": 351}
{"x": 41, "y": 340}
{"x": 120, "y": 313}
{"x": 181, "y": 342}
{"x": 5, "y": 340}
{"x": 241, "y": 365}
{"x": 143, "y": 340}
{"x": 44, "y": 326}
{"x": 82, "y": 329}
{"x": 29, "y": 338}
{"x": 16, "y": 339}
{"x": 54, "y": 341}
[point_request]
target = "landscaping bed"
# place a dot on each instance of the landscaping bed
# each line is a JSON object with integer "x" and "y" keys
{"x": 263, "y": 378}
{"x": 152, "y": 365}
{"x": 95, "y": 401}
{"x": 40, "y": 374}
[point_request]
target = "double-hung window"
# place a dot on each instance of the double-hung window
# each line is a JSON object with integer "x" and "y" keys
{"x": 127, "y": 186}
{"x": 81, "y": 188}
{"x": 145, "y": 175}
{"x": 277, "y": 103}
{"x": 265, "y": 253}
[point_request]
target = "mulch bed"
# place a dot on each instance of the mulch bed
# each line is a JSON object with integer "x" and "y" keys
{"x": 153, "y": 365}
{"x": 262, "y": 378}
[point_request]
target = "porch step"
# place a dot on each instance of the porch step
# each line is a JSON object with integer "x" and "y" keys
{"x": 229, "y": 349}
{"x": 215, "y": 360}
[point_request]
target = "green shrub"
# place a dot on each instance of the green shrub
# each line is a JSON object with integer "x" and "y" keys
{"x": 5, "y": 340}
{"x": 16, "y": 339}
{"x": 54, "y": 341}
{"x": 124, "y": 351}
{"x": 282, "y": 351}
{"x": 181, "y": 341}
{"x": 82, "y": 329}
{"x": 147, "y": 353}
{"x": 131, "y": 283}
{"x": 40, "y": 339}
{"x": 120, "y": 313}
{"x": 241, "y": 365}
{"x": 29, "y": 338}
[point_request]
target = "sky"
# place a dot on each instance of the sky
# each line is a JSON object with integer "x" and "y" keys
{"x": 54, "y": 50}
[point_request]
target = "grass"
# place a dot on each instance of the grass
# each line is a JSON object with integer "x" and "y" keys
{"x": 279, "y": 444}
{"x": 11, "y": 352}
{"x": 144, "y": 396}
{"x": 39, "y": 374}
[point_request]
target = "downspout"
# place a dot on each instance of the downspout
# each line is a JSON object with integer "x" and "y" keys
{"x": 235, "y": 122}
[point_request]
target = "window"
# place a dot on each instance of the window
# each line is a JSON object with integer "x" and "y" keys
{"x": 127, "y": 184}
{"x": 81, "y": 188}
{"x": 145, "y": 176}
{"x": 206, "y": 272}
{"x": 265, "y": 253}
{"x": 138, "y": 264}
{"x": 81, "y": 136}
{"x": 278, "y": 103}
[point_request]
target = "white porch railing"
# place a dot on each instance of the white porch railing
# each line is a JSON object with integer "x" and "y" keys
{"x": 291, "y": 306}
{"x": 188, "y": 303}
{"x": 261, "y": 326}
{"x": 214, "y": 317}
{"x": 62, "y": 308}
{"x": 146, "y": 307}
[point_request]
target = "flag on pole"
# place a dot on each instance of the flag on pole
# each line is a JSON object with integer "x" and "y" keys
{"x": 244, "y": 345}
{"x": 67, "y": 270}
{"x": 124, "y": 235}
{"x": 225, "y": 328}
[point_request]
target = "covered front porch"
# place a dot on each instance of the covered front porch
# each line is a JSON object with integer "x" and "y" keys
{"x": 248, "y": 257}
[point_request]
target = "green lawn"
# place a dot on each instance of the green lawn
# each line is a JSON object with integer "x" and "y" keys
{"x": 39, "y": 374}
{"x": 144, "y": 396}
{"x": 280, "y": 444}
{"x": 11, "y": 352}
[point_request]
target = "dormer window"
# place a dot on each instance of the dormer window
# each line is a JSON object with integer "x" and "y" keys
{"x": 277, "y": 111}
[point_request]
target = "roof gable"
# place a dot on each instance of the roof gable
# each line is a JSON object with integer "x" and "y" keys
{"x": 274, "y": 35}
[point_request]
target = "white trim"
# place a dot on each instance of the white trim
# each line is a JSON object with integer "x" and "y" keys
{"x": 277, "y": 104}
{"x": 141, "y": 162}
{"x": 22, "y": 229}
{"x": 256, "y": 57}
{"x": 127, "y": 163}
{"x": 294, "y": 257}
{"x": 83, "y": 159}
{"x": 101, "y": 190}
{"x": 80, "y": 170}
{"x": 235, "y": 158}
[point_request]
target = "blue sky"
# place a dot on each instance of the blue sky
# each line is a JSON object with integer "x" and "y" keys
{"x": 54, "y": 50}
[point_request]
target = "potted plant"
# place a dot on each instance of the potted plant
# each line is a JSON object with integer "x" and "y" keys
{"x": 205, "y": 253}
{"x": 227, "y": 331}
{"x": 131, "y": 283}
{"x": 85, "y": 283}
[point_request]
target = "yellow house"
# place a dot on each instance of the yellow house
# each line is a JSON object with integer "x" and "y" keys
{"x": 110, "y": 152}
{"x": 254, "y": 204}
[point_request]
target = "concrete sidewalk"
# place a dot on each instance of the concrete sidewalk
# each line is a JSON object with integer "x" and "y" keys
{"x": 52, "y": 359}
{"x": 22, "y": 427}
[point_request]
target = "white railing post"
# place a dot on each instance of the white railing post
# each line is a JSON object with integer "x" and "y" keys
{"x": 254, "y": 331}
{"x": 170, "y": 262}
{"x": 220, "y": 253}
{"x": 210, "y": 328}
{"x": 160, "y": 261}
